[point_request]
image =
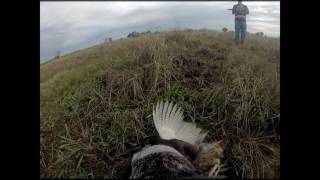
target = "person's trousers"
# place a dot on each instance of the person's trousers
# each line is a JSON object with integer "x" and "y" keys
{"x": 240, "y": 31}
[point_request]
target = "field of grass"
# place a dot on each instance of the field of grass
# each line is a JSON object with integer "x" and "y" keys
{"x": 96, "y": 104}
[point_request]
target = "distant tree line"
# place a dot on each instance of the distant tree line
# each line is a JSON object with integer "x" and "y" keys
{"x": 57, "y": 55}
{"x": 137, "y": 34}
{"x": 224, "y": 29}
{"x": 260, "y": 34}
{"x": 108, "y": 39}
{"x": 204, "y": 29}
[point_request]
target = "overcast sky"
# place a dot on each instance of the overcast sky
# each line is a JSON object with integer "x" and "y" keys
{"x": 70, "y": 26}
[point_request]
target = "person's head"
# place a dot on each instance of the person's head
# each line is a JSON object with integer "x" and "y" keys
{"x": 240, "y": 2}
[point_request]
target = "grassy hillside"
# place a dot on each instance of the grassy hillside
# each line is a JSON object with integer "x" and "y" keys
{"x": 96, "y": 104}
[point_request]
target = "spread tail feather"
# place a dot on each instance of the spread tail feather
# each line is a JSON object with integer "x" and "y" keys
{"x": 168, "y": 120}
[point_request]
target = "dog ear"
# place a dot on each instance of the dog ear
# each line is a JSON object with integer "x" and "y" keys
{"x": 152, "y": 140}
{"x": 185, "y": 148}
{"x": 127, "y": 171}
{"x": 190, "y": 150}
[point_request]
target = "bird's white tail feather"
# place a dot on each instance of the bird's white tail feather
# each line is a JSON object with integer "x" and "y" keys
{"x": 168, "y": 120}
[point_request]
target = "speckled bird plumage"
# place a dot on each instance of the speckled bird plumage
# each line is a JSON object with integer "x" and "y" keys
{"x": 180, "y": 152}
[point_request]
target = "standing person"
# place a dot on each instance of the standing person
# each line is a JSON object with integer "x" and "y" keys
{"x": 240, "y": 11}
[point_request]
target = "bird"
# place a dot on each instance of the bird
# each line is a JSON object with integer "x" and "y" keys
{"x": 179, "y": 152}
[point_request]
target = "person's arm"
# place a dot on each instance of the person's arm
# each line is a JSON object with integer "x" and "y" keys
{"x": 233, "y": 9}
{"x": 247, "y": 10}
